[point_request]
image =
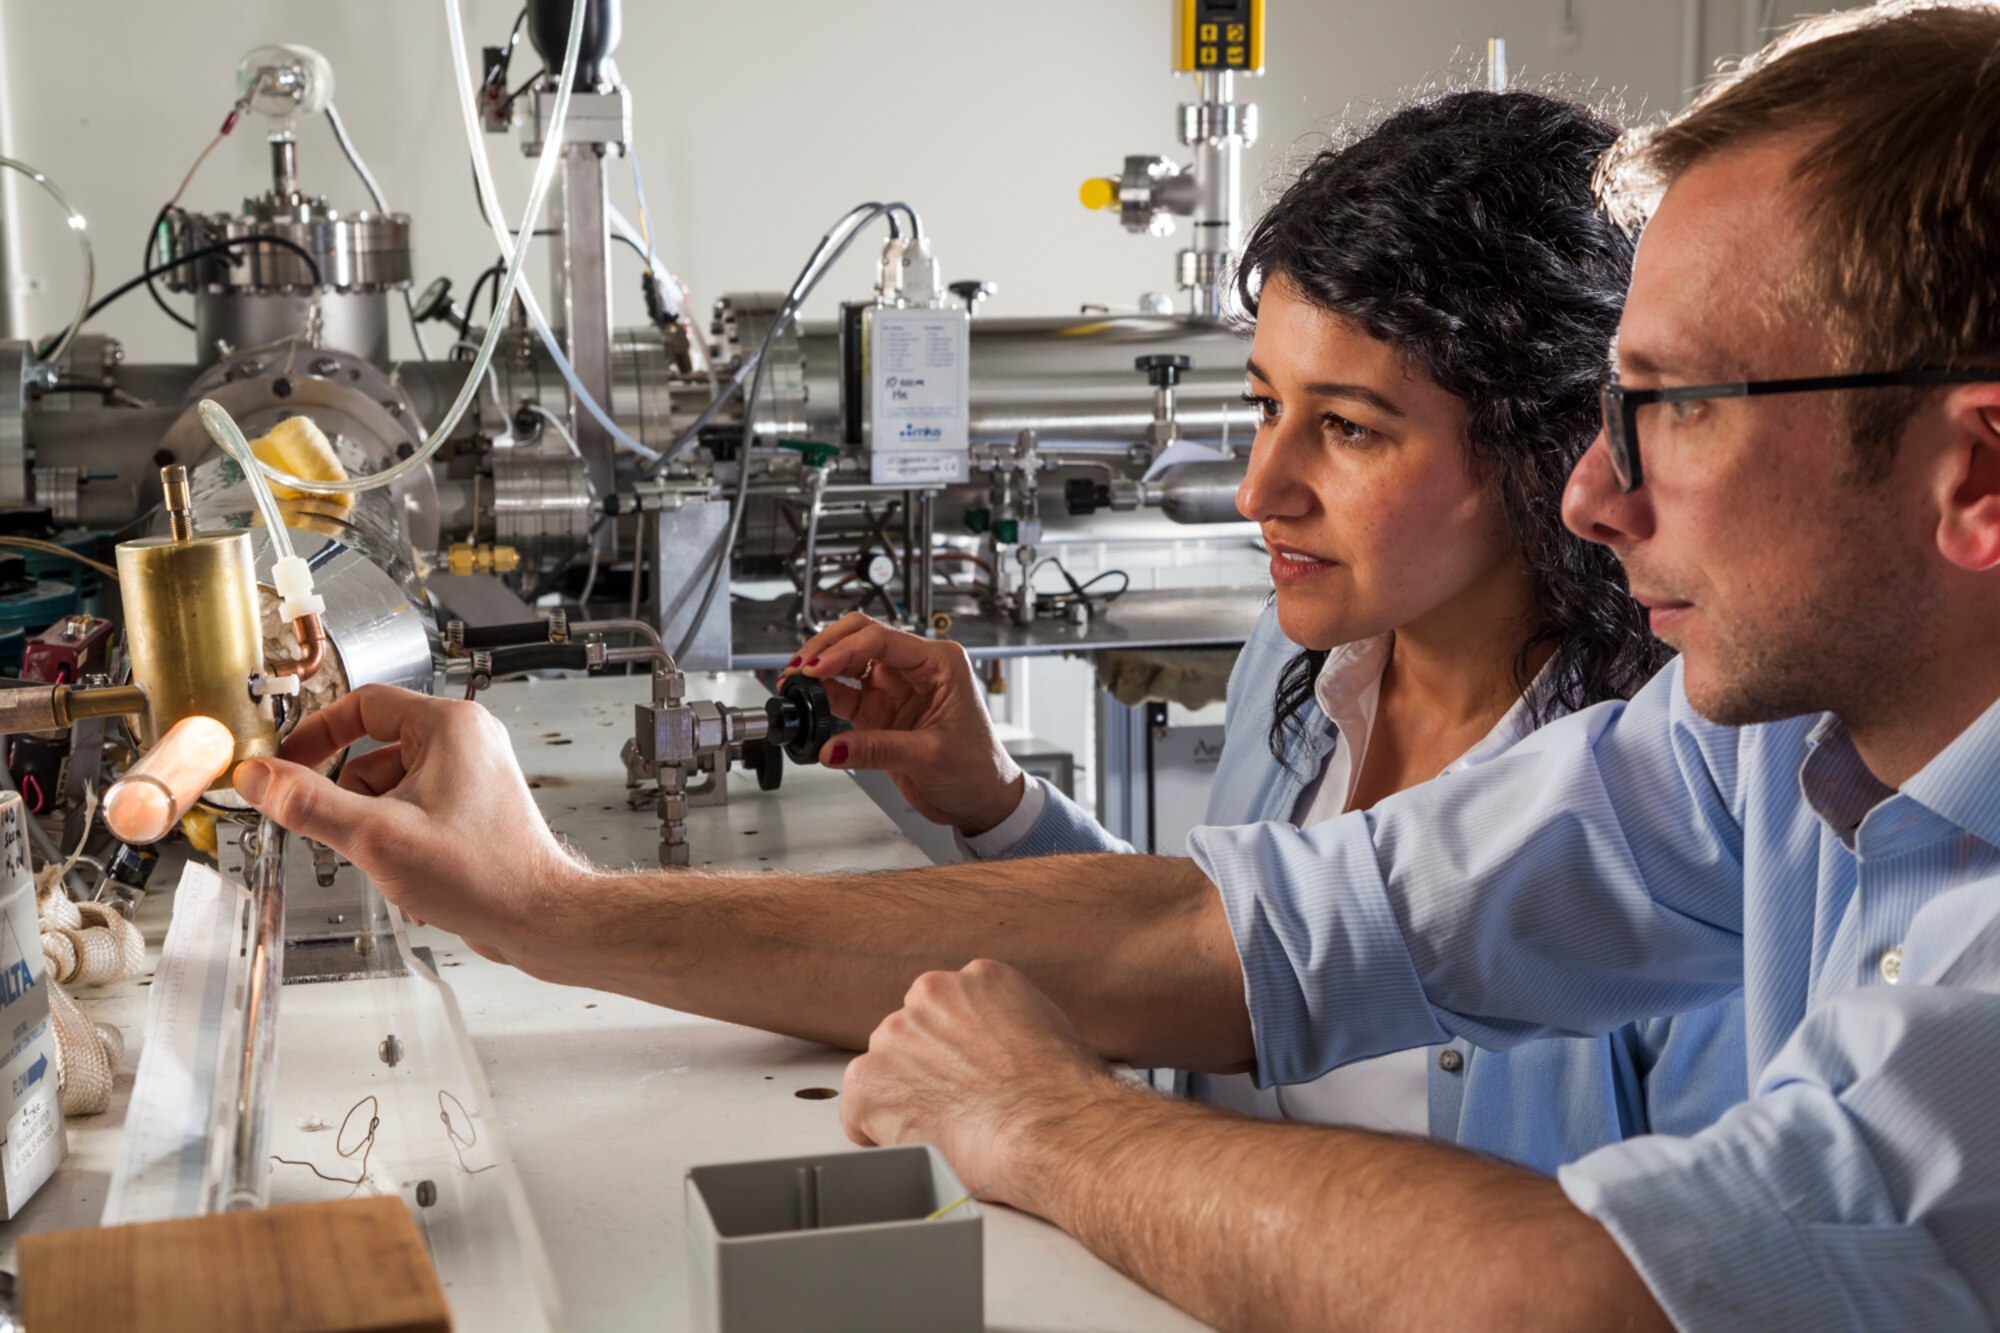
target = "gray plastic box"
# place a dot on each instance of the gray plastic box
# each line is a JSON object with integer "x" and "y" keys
{"x": 836, "y": 1243}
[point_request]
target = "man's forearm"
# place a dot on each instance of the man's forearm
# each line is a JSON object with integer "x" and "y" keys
{"x": 1135, "y": 949}
{"x": 1255, "y": 1225}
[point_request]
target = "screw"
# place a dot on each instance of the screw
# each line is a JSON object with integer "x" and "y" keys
{"x": 405, "y": 449}
{"x": 427, "y": 1193}
{"x": 281, "y": 387}
{"x": 391, "y": 1050}
{"x": 336, "y": 918}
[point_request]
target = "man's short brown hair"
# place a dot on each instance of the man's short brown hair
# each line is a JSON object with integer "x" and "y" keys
{"x": 1898, "y": 108}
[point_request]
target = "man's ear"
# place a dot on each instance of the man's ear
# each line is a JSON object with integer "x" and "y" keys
{"x": 1969, "y": 512}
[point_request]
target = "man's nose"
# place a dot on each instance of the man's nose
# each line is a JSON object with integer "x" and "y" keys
{"x": 1596, "y": 508}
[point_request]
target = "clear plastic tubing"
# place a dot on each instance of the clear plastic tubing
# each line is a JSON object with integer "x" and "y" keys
{"x": 482, "y": 171}
{"x": 144, "y": 805}
{"x": 222, "y": 428}
{"x": 545, "y": 172}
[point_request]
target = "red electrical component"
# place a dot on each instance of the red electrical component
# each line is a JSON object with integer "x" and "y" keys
{"x": 67, "y": 651}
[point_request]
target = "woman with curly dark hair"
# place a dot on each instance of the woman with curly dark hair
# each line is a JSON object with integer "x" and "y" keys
{"x": 1433, "y": 305}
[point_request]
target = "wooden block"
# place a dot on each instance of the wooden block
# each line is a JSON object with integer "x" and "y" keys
{"x": 349, "y": 1266}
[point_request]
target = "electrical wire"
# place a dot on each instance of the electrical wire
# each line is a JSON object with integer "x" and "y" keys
{"x": 229, "y": 123}
{"x": 38, "y": 835}
{"x": 472, "y": 300}
{"x": 749, "y": 365}
{"x": 353, "y": 156}
{"x": 509, "y": 284}
{"x": 76, "y": 224}
{"x": 560, "y": 429}
{"x": 824, "y": 256}
{"x": 205, "y": 252}
{"x": 50, "y": 548}
{"x": 489, "y": 198}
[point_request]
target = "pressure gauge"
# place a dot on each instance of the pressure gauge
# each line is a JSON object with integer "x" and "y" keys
{"x": 878, "y": 569}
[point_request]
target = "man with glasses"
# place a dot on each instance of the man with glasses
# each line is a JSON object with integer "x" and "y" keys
{"x": 1801, "y": 472}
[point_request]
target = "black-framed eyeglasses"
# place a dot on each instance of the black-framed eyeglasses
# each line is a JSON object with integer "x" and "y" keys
{"x": 1621, "y": 405}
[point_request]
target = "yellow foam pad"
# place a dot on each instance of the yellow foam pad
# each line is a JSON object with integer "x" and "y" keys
{"x": 297, "y": 445}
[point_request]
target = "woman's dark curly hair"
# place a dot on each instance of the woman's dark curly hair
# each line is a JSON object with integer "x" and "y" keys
{"x": 1463, "y": 231}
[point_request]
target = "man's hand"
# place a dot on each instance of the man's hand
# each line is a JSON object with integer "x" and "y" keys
{"x": 440, "y": 817}
{"x": 917, "y": 716}
{"x": 972, "y": 1062}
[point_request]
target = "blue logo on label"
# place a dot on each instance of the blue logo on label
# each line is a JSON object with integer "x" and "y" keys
{"x": 912, "y": 431}
{"x": 15, "y": 978}
{"x": 35, "y": 1071}
{"x": 15, "y": 981}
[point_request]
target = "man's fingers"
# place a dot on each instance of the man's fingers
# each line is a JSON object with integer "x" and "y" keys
{"x": 375, "y": 773}
{"x": 312, "y": 806}
{"x": 890, "y": 751}
{"x": 853, "y": 1098}
{"x": 378, "y": 711}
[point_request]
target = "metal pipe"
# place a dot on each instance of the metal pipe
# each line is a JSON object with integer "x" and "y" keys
{"x": 178, "y": 501}
{"x": 248, "y": 1180}
{"x": 809, "y": 581}
{"x": 620, "y": 625}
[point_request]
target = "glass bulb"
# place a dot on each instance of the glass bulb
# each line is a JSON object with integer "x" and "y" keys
{"x": 285, "y": 83}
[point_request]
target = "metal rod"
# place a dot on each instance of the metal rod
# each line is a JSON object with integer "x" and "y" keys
{"x": 249, "y": 1163}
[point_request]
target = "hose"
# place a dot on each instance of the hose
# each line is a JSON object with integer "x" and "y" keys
{"x": 545, "y": 172}
{"x": 482, "y": 172}
{"x": 381, "y": 206}
{"x": 222, "y": 428}
{"x": 75, "y": 220}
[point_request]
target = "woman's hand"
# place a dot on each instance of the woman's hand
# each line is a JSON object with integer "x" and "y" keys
{"x": 917, "y": 716}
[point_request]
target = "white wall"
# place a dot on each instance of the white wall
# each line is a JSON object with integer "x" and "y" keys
{"x": 758, "y": 121}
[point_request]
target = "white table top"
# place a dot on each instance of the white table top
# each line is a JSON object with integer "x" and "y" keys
{"x": 606, "y": 1101}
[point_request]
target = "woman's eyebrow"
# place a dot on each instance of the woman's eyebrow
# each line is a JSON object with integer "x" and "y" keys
{"x": 1360, "y": 393}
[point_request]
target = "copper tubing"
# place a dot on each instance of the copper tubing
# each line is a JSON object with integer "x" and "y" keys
{"x": 311, "y": 636}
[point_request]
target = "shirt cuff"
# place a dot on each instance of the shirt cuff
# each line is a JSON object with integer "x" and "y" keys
{"x": 1726, "y": 1237}
{"x": 1005, "y": 836}
{"x": 1326, "y": 975}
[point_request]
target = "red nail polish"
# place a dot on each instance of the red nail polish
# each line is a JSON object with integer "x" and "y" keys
{"x": 794, "y": 662}
{"x": 839, "y": 753}
{"x": 813, "y": 662}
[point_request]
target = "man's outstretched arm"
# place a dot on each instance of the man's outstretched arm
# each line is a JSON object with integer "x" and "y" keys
{"x": 1248, "y": 1224}
{"x": 1137, "y": 948}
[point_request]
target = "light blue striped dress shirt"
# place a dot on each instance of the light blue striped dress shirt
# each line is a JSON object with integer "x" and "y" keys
{"x": 1541, "y": 1104}
{"x": 1637, "y": 860}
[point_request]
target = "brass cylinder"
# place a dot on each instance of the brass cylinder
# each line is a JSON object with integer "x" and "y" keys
{"x": 194, "y": 634}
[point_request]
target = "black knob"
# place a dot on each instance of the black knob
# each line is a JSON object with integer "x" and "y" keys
{"x": 1084, "y": 496}
{"x": 767, "y": 761}
{"x": 971, "y": 292}
{"x": 1163, "y": 370}
{"x": 802, "y": 719}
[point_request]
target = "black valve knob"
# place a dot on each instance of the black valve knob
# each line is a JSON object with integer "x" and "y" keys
{"x": 1163, "y": 370}
{"x": 971, "y": 292}
{"x": 767, "y": 761}
{"x": 802, "y": 719}
{"x": 1084, "y": 496}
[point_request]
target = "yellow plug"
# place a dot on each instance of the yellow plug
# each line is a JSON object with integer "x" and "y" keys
{"x": 1099, "y": 192}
